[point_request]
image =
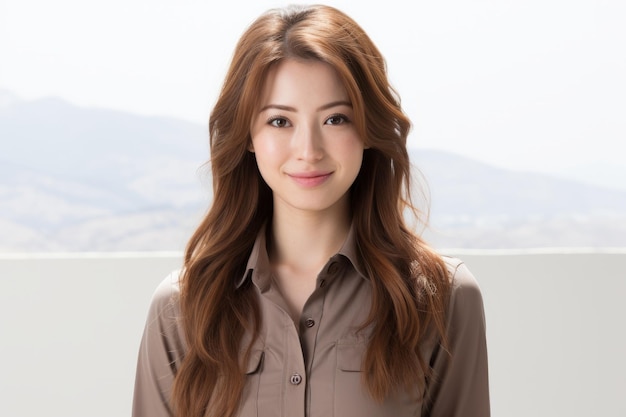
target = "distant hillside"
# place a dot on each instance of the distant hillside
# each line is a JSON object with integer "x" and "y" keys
{"x": 474, "y": 205}
{"x": 461, "y": 186}
{"x": 90, "y": 179}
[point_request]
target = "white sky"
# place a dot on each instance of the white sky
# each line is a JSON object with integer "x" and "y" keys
{"x": 533, "y": 84}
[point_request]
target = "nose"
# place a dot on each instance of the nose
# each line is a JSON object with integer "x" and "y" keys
{"x": 308, "y": 143}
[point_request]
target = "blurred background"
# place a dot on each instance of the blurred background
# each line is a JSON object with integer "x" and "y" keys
{"x": 518, "y": 112}
{"x": 518, "y": 130}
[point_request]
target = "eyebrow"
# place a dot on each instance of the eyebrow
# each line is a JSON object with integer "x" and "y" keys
{"x": 293, "y": 109}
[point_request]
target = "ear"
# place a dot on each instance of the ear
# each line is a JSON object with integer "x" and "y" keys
{"x": 250, "y": 147}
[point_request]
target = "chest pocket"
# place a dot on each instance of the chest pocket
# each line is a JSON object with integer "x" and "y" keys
{"x": 254, "y": 363}
{"x": 350, "y": 357}
{"x": 250, "y": 391}
{"x": 262, "y": 394}
{"x": 352, "y": 397}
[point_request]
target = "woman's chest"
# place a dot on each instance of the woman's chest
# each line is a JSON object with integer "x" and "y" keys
{"x": 313, "y": 368}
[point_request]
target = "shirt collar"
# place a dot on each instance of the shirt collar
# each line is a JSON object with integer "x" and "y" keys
{"x": 258, "y": 266}
{"x": 349, "y": 250}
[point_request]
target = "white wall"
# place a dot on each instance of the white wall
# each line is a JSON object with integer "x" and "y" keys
{"x": 70, "y": 328}
{"x": 70, "y": 331}
{"x": 556, "y": 333}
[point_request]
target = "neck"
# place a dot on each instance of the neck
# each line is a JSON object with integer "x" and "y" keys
{"x": 305, "y": 241}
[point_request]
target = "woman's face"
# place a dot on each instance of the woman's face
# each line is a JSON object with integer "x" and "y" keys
{"x": 306, "y": 146}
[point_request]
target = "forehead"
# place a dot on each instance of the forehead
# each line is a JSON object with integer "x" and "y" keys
{"x": 302, "y": 80}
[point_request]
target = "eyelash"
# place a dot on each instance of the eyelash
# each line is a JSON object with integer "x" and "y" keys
{"x": 344, "y": 119}
{"x": 273, "y": 119}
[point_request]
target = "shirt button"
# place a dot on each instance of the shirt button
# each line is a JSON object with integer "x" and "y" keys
{"x": 295, "y": 379}
{"x": 309, "y": 323}
{"x": 333, "y": 268}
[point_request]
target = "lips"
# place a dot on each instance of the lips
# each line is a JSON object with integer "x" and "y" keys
{"x": 310, "y": 179}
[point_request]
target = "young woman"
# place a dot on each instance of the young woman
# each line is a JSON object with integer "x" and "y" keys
{"x": 303, "y": 292}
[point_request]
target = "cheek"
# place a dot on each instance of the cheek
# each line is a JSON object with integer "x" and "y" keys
{"x": 269, "y": 153}
{"x": 268, "y": 148}
{"x": 351, "y": 153}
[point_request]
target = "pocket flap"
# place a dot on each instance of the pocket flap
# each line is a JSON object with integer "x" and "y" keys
{"x": 254, "y": 361}
{"x": 350, "y": 357}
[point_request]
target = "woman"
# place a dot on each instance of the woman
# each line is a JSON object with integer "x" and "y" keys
{"x": 303, "y": 293}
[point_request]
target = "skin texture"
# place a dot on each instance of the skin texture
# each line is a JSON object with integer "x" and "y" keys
{"x": 306, "y": 146}
{"x": 309, "y": 153}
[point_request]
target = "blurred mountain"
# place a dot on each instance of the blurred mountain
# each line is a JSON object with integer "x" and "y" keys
{"x": 75, "y": 178}
{"x": 474, "y": 205}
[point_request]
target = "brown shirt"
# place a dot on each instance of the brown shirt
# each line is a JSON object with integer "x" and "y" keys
{"x": 313, "y": 368}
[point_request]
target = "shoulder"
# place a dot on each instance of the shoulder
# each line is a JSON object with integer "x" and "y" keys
{"x": 462, "y": 280}
{"x": 161, "y": 351}
{"x": 163, "y": 331}
{"x": 168, "y": 290}
{"x": 164, "y": 309}
{"x": 460, "y": 382}
{"x": 466, "y": 298}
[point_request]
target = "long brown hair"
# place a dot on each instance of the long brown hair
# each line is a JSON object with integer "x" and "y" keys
{"x": 409, "y": 283}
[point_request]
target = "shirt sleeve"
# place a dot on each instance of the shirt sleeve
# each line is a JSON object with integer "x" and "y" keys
{"x": 160, "y": 353}
{"x": 459, "y": 385}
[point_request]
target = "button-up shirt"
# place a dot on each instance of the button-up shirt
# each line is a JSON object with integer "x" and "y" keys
{"x": 312, "y": 368}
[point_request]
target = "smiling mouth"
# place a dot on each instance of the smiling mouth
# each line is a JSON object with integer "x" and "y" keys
{"x": 310, "y": 180}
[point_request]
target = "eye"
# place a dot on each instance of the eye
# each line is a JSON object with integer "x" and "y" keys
{"x": 278, "y": 121}
{"x": 336, "y": 119}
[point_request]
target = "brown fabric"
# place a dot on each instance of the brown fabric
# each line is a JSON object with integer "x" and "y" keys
{"x": 313, "y": 369}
